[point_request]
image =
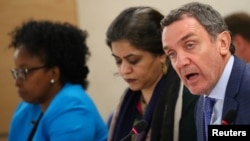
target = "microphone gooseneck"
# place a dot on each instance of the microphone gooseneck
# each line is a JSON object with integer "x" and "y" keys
{"x": 138, "y": 128}
{"x": 229, "y": 117}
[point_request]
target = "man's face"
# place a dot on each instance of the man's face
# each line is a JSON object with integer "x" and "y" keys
{"x": 198, "y": 60}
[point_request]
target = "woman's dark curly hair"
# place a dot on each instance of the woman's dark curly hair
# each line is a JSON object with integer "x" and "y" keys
{"x": 59, "y": 45}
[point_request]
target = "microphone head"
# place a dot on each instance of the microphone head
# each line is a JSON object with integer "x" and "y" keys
{"x": 229, "y": 117}
{"x": 139, "y": 127}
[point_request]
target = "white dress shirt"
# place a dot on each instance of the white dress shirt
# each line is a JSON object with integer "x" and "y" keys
{"x": 218, "y": 92}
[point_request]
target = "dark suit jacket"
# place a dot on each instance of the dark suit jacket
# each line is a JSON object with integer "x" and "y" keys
{"x": 237, "y": 97}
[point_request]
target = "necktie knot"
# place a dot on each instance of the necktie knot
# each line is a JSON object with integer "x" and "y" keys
{"x": 209, "y": 104}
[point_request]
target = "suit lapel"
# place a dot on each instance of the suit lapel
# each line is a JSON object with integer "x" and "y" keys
{"x": 233, "y": 86}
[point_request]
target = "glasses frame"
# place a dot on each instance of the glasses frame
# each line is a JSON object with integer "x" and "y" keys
{"x": 19, "y": 73}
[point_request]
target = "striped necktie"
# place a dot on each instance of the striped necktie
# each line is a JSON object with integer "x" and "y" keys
{"x": 208, "y": 110}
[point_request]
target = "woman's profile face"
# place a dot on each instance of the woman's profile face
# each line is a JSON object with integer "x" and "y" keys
{"x": 140, "y": 69}
{"x": 32, "y": 78}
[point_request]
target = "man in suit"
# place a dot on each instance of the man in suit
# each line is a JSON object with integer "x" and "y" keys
{"x": 198, "y": 43}
{"x": 239, "y": 25}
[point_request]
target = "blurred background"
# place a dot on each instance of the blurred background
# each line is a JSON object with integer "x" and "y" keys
{"x": 93, "y": 15}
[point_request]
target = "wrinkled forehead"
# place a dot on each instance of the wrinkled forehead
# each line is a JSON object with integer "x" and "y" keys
{"x": 181, "y": 30}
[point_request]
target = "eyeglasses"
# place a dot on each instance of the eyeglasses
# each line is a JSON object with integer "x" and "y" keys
{"x": 22, "y": 73}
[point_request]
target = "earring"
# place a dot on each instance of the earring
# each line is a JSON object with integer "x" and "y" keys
{"x": 164, "y": 68}
{"x": 52, "y": 81}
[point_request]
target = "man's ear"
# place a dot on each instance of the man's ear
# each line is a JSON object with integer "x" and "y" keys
{"x": 224, "y": 41}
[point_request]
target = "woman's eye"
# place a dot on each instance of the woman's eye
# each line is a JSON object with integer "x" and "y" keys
{"x": 132, "y": 60}
{"x": 118, "y": 62}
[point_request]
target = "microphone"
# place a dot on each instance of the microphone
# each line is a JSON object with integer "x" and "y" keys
{"x": 138, "y": 128}
{"x": 229, "y": 117}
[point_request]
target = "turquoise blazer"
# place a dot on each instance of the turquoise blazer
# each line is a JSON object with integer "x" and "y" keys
{"x": 71, "y": 115}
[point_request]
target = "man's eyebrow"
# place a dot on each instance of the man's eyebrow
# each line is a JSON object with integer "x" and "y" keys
{"x": 186, "y": 37}
{"x": 181, "y": 40}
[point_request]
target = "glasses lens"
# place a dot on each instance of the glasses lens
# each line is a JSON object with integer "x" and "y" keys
{"x": 19, "y": 74}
